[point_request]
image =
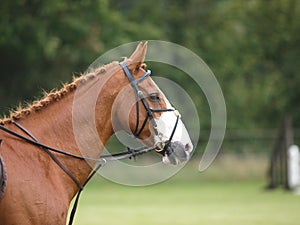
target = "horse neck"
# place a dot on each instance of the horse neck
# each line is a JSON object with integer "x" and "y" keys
{"x": 54, "y": 126}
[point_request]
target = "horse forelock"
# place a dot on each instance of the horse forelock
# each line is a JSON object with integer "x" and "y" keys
{"x": 55, "y": 95}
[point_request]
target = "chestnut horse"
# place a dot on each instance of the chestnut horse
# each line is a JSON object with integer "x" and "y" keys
{"x": 38, "y": 191}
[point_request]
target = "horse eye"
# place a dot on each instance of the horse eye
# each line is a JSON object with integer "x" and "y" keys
{"x": 154, "y": 97}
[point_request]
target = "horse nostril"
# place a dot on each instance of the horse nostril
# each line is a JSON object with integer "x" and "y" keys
{"x": 188, "y": 147}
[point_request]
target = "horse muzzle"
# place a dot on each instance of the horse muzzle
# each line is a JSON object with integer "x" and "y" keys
{"x": 176, "y": 152}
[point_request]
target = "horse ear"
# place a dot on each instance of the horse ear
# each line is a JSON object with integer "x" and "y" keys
{"x": 137, "y": 58}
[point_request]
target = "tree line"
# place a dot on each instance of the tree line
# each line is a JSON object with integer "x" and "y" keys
{"x": 253, "y": 47}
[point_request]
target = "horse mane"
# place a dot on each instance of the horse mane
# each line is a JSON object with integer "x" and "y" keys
{"x": 137, "y": 58}
{"x": 55, "y": 95}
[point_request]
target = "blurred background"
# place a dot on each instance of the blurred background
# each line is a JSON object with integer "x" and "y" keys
{"x": 252, "y": 47}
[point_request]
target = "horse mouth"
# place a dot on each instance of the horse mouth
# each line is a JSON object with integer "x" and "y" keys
{"x": 176, "y": 152}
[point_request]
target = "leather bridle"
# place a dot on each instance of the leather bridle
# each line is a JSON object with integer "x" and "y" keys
{"x": 161, "y": 147}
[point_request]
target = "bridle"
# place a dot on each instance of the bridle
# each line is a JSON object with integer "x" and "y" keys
{"x": 161, "y": 147}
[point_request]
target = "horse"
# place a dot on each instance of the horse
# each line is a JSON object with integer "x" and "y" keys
{"x": 39, "y": 184}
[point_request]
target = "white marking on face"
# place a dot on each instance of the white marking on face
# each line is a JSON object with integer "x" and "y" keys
{"x": 181, "y": 143}
{"x": 165, "y": 126}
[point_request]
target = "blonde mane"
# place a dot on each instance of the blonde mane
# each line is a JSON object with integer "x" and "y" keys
{"x": 55, "y": 95}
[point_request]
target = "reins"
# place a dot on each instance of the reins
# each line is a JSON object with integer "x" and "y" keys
{"x": 130, "y": 153}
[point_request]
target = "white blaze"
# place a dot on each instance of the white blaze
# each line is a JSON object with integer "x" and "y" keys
{"x": 165, "y": 126}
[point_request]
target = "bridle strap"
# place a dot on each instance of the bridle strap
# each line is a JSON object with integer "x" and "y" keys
{"x": 138, "y": 95}
{"x": 165, "y": 150}
{"x": 66, "y": 171}
{"x": 75, "y": 205}
{"x": 134, "y": 82}
{"x": 130, "y": 153}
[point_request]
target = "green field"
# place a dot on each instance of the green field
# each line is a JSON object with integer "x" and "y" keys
{"x": 190, "y": 198}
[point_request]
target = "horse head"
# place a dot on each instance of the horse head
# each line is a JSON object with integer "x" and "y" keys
{"x": 143, "y": 110}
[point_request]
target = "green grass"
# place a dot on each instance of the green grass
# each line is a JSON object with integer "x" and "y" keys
{"x": 190, "y": 198}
